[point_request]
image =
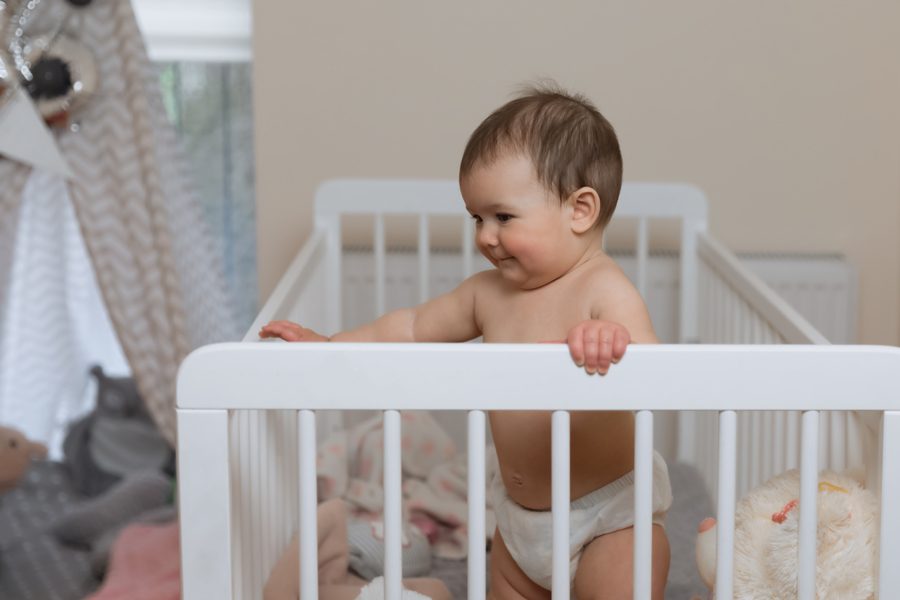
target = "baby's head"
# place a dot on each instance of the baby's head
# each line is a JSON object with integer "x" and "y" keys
{"x": 569, "y": 143}
{"x": 541, "y": 176}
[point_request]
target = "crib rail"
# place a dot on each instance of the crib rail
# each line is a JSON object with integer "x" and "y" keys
{"x": 725, "y": 379}
{"x": 300, "y": 293}
{"x": 738, "y": 308}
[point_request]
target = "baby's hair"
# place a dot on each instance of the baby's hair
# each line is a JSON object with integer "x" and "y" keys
{"x": 569, "y": 142}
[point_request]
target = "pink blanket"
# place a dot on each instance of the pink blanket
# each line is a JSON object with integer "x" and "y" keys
{"x": 351, "y": 466}
{"x": 144, "y": 565}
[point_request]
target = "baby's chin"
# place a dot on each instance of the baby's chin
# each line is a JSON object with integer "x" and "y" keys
{"x": 524, "y": 281}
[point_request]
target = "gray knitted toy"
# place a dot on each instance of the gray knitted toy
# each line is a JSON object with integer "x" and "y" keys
{"x": 366, "y": 541}
{"x": 88, "y": 522}
{"x": 118, "y": 438}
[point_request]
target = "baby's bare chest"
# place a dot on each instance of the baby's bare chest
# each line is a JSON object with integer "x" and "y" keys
{"x": 530, "y": 317}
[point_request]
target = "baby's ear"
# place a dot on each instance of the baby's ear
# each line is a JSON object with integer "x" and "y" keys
{"x": 584, "y": 204}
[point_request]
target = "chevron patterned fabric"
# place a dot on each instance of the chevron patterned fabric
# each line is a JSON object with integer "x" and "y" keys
{"x": 154, "y": 260}
{"x": 13, "y": 177}
{"x": 54, "y": 324}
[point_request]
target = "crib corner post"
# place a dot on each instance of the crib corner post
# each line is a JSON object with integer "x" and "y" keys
{"x": 889, "y": 491}
{"x": 204, "y": 499}
{"x": 688, "y": 317}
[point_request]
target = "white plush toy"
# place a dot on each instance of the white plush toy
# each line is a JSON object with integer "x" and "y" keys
{"x": 766, "y": 540}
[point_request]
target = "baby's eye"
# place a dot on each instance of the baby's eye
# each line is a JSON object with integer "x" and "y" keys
{"x": 503, "y": 217}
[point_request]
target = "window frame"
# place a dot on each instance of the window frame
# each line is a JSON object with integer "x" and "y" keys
{"x": 196, "y": 31}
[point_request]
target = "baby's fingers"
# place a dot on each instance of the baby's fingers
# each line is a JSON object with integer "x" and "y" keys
{"x": 620, "y": 343}
{"x": 604, "y": 351}
{"x": 285, "y": 330}
{"x": 575, "y": 340}
{"x": 596, "y": 351}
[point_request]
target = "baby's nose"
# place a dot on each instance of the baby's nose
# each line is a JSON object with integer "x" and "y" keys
{"x": 487, "y": 236}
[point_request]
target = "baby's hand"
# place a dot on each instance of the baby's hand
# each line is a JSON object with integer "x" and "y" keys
{"x": 597, "y": 344}
{"x": 290, "y": 332}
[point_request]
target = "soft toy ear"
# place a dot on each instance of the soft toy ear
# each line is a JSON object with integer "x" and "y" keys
{"x": 37, "y": 450}
{"x": 706, "y": 552}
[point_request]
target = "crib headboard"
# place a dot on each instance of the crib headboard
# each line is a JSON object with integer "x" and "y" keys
{"x": 425, "y": 199}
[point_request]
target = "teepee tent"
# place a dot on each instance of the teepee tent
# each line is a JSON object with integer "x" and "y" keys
{"x": 141, "y": 224}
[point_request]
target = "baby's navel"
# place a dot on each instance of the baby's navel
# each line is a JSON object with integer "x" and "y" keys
{"x": 518, "y": 480}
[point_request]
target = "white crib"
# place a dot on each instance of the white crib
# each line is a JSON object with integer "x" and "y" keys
{"x": 748, "y": 406}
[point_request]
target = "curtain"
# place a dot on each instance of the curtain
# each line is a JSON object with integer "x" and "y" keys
{"x": 12, "y": 182}
{"x": 54, "y": 324}
{"x": 154, "y": 261}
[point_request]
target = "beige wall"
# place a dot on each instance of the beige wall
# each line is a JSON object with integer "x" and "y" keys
{"x": 786, "y": 114}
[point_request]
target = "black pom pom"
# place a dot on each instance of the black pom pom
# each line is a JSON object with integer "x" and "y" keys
{"x": 50, "y": 78}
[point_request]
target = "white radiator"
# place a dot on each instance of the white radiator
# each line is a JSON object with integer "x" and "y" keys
{"x": 823, "y": 288}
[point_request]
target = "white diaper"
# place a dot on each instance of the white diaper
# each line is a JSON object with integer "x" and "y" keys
{"x": 528, "y": 534}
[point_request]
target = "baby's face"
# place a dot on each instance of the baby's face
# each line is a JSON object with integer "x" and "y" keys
{"x": 520, "y": 226}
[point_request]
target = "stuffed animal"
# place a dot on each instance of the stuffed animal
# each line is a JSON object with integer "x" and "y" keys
{"x": 115, "y": 440}
{"x": 16, "y": 453}
{"x": 766, "y": 527}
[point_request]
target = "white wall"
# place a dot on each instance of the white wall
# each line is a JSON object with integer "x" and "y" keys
{"x": 786, "y": 114}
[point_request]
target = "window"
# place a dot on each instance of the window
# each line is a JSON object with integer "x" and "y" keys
{"x": 210, "y": 106}
{"x": 203, "y": 50}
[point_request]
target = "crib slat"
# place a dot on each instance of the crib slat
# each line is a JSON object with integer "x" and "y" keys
{"x": 792, "y": 439}
{"x": 393, "y": 517}
{"x": 743, "y": 454}
{"x": 560, "y": 503}
{"x": 809, "y": 490}
{"x": 837, "y": 441}
{"x": 725, "y": 526}
{"x": 424, "y": 258}
{"x": 477, "y": 534}
{"x": 755, "y": 446}
{"x": 332, "y": 224}
{"x": 767, "y": 440}
{"x": 688, "y": 331}
{"x": 888, "y": 574}
{"x": 776, "y": 464}
{"x": 379, "y": 264}
{"x": 243, "y": 582}
{"x": 468, "y": 243}
{"x": 309, "y": 535}
{"x": 255, "y": 473}
{"x": 643, "y": 504}
{"x": 642, "y": 257}
{"x": 267, "y": 491}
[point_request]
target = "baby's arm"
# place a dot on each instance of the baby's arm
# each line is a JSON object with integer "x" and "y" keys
{"x": 617, "y": 319}
{"x": 447, "y": 318}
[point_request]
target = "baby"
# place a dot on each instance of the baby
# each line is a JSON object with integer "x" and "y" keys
{"x": 541, "y": 177}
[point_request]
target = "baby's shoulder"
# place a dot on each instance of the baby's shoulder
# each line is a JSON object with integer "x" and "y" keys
{"x": 479, "y": 285}
{"x": 605, "y": 282}
{"x": 613, "y": 297}
{"x": 605, "y": 274}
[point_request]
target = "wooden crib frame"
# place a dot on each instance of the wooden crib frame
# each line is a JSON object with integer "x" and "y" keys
{"x": 247, "y": 411}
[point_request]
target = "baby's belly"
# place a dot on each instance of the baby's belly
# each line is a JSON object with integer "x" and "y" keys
{"x": 602, "y": 450}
